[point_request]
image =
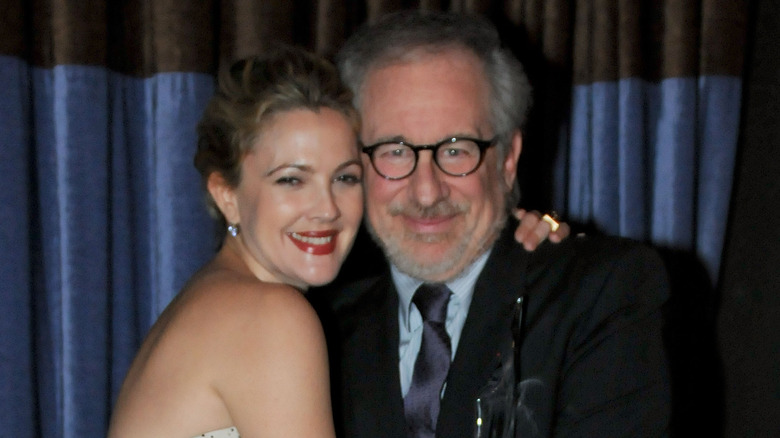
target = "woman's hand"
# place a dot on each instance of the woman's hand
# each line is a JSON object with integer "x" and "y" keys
{"x": 535, "y": 228}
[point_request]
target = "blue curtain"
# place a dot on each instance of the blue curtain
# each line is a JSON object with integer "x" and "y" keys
{"x": 654, "y": 161}
{"x": 102, "y": 222}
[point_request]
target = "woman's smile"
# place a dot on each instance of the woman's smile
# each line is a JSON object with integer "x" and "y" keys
{"x": 315, "y": 242}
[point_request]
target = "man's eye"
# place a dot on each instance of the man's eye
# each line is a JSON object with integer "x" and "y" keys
{"x": 456, "y": 153}
{"x": 394, "y": 153}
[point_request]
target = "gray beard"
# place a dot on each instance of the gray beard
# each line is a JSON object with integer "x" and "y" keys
{"x": 395, "y": 252}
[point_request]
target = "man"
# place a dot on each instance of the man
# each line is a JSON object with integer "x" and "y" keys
{"x": 441, "y": 105}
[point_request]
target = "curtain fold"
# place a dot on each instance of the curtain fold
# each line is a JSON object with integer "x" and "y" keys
{"x": 655, "y": 161}
{"x": 17, "y": 349}
{"x": 103, "y": 202}
{"x": 633, "y": 132}
{"x": 160, "y": 231}
{"x": 70, "y": 166}
{"x": 654, "y": 121}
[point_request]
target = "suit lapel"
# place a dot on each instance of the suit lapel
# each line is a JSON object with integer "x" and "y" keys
{"x": 485, "y": 335}
{"x": 371, "y": 366}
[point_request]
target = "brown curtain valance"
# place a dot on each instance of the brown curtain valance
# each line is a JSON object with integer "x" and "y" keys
{"x": 596, "y": 40}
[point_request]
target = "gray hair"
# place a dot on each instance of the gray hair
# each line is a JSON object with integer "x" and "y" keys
{"x": 402, "y": 36}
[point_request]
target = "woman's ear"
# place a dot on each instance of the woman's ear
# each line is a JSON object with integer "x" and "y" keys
{"x": 224, "y": 196}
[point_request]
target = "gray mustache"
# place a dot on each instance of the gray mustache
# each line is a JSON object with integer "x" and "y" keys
{"x": 442, "y": 208}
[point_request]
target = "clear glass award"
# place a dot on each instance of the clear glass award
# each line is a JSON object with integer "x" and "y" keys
{"x": 501, "y": 410}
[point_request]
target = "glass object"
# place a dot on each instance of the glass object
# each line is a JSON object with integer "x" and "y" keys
{"x": 501, "y": 407}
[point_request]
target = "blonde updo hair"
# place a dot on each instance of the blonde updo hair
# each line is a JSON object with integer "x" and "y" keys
{"x": 248, "y": 94}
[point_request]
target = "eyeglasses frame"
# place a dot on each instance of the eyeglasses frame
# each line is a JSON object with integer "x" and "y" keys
{"x": 483, "y": 146}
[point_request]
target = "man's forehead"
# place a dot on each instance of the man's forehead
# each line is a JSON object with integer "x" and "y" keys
{"x": 443, "y": 95}
{"x": 428, "y": 58}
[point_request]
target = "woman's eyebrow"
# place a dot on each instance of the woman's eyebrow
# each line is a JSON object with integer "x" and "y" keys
{"x": 301, "y": 167}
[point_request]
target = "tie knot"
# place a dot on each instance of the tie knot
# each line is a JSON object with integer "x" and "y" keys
{"x": 431, "y": 300}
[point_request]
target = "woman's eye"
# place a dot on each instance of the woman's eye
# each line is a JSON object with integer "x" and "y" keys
{"x": 349, "y": 178}
{"x": 288, "y": 181}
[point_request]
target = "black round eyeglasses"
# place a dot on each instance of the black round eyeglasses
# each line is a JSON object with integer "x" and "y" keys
{"x": 456, "y": 156}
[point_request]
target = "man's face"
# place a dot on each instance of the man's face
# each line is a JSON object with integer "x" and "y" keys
{"x": 430, "y": 224}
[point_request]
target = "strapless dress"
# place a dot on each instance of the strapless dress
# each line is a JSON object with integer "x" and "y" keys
{"x": 230, "y": 432}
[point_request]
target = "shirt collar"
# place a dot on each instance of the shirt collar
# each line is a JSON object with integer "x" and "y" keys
{"x": 462, "y": 286}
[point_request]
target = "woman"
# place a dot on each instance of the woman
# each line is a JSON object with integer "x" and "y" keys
{"x": 240, "y": 348}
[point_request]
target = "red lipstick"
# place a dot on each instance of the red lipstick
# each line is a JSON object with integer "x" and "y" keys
{"x": 315, "y": 242}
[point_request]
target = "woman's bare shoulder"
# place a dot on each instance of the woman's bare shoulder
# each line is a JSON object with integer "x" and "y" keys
{"x": 220, "y": 345}
{"x": 273, "y": 341}
{"x": 223, "y": 312}
{"x": 236, "y": 313}
{"x": 227, "y": 295}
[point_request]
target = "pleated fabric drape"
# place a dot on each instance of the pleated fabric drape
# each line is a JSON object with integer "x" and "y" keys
{"x": 100, "y": 238}
{"x": 101, "y": 217}
{"x": 654, "y": 121}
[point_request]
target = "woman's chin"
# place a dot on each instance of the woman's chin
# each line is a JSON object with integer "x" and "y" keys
{"x": 320, "y": 278}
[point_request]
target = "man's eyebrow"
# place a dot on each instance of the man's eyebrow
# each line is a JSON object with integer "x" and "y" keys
{"x": 301, "y": 167}
{"x": 394, "y": 139}
{"x": 402, "y": 139}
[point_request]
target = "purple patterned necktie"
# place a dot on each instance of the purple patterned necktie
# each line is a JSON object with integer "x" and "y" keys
{"x": 421, "y": 404}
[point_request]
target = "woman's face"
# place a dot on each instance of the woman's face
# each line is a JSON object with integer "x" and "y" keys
{"x": 300, "y": 199}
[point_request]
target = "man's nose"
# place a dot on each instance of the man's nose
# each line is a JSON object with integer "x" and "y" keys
{"x": 426, "y": 183}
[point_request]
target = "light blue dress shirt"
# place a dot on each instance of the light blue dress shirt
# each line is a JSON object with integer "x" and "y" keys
{"x": 410, "y": 320}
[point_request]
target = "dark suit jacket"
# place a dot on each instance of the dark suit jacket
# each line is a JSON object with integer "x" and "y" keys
{"x": 592, "y": 349}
